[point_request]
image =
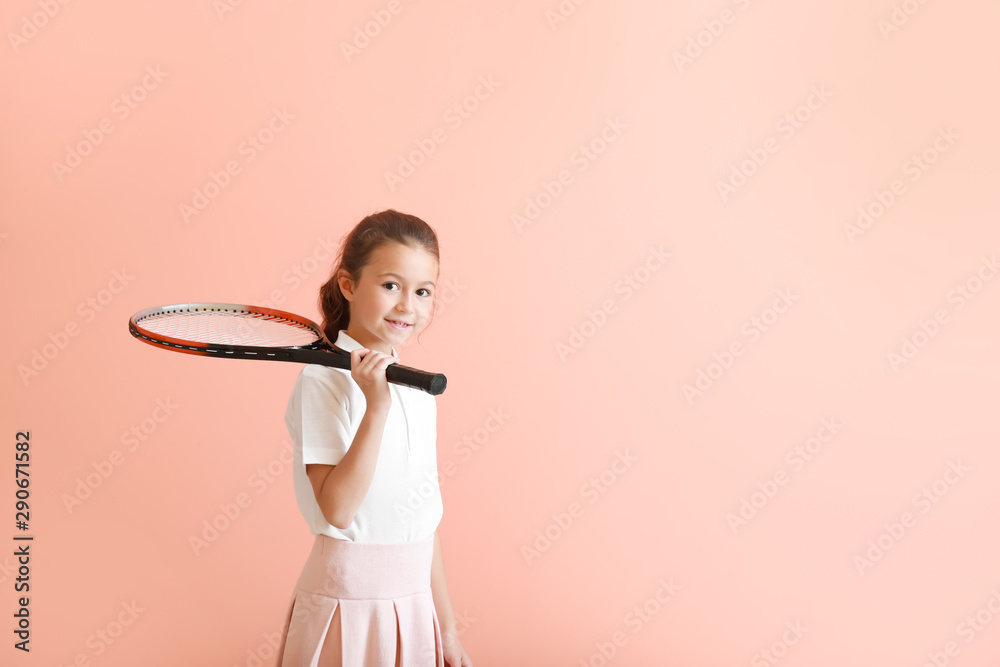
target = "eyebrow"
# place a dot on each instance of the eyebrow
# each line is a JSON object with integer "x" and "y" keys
{"x": 383, "y": 275}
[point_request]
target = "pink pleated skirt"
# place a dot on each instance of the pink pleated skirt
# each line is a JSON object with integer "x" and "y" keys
{"x": 363, "y": 604}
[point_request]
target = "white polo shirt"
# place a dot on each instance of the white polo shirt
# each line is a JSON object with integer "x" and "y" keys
{"x": 403, "y": 503}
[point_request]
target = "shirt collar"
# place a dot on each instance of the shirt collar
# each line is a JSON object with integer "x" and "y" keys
{"x": 345, "y": 342}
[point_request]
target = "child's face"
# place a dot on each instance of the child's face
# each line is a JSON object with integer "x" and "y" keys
{"x": 406, "y": 296}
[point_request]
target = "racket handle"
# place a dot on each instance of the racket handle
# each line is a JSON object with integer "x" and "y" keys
{"x": 432, "y": 383}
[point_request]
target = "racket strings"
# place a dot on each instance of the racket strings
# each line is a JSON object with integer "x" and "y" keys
{"x": 229, "y": 328}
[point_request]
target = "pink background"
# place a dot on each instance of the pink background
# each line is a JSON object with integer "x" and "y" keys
{"x": 512, "y": 295}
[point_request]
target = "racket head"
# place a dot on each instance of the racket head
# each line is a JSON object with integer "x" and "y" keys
{"x": 232, "y": 330}
{"x": 206, "y": 328}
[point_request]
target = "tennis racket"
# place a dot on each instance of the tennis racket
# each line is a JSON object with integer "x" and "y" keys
{"x": 234, "y": 331}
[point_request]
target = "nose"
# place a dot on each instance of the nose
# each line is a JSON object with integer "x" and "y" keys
{"x": 405, "y": 304}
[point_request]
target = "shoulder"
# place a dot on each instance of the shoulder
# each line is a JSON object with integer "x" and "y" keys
{"x": 335, "y": 381}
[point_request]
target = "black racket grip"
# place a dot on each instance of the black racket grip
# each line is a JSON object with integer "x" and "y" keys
{"x": 432, "y": 383}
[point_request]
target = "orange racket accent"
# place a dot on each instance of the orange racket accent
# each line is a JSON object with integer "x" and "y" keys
{"x": 230, "y": 330}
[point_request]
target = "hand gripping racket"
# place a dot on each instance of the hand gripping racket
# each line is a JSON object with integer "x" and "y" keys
{"x": 234, "y": 331}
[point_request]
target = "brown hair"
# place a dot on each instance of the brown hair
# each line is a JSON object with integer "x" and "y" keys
{"x": 368, "y": 235}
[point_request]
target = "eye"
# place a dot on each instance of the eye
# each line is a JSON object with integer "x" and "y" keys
{"x": 422, "y": 289}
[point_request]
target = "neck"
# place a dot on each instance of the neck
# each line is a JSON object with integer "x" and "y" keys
{"x": 370, "y": 342}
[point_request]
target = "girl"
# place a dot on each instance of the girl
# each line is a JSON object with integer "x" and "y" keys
{"x": 365, "y": 469}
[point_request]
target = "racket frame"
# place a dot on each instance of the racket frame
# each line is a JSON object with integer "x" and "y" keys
{"x": 320, "y": 352}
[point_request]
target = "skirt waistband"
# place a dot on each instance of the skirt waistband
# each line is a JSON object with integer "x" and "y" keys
{"x": 367, "y": 570}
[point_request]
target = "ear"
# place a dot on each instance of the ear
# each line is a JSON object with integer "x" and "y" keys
{"x": 345, "y": 285}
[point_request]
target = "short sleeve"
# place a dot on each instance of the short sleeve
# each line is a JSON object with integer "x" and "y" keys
{"x": 318, "y": 415}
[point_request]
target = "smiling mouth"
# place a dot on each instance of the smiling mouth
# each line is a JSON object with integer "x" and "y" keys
{"x": 399, "y": 325}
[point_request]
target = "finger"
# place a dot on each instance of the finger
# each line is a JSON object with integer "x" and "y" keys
{"x": 379, "y": 367}
{"x": 374, "y": 362}
{"x": 370, "y": 359}
{"x": 368, "y": 363}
